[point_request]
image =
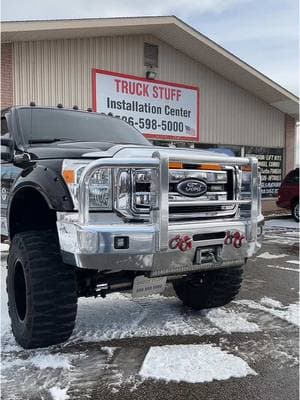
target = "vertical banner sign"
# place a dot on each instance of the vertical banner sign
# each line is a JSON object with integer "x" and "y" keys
{"x": 160, "y": 110}
{"x": 270, "y": 163}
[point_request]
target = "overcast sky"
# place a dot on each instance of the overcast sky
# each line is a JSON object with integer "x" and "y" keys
{"x": 264, "y": 33}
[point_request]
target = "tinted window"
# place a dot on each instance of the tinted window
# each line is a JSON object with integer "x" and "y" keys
{"x": 39, "y": 123}
{"x": 293, "y": 177}
{"x": 4, "y": 128}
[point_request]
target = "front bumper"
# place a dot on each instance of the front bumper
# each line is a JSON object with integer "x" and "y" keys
{"x": 88, "y": 239}
{"x": 92, "y": 246}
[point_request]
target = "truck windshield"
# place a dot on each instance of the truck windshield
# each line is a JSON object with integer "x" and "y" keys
{"x": 46, "y": 125}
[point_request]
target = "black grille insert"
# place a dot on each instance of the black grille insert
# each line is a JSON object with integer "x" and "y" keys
{"x": 209, "y": 236}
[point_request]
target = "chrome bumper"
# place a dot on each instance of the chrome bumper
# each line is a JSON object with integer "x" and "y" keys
{"x": 92, "y": 246}
{"x": 87, "y": 239}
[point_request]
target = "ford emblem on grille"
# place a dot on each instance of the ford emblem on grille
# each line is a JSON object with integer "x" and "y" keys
{"x": 192, "y": 187}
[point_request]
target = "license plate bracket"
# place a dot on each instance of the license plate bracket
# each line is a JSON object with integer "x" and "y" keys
{"x": 143, "y": 286}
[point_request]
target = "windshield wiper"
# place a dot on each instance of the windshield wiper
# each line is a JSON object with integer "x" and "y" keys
{"x": 44, "y": 140}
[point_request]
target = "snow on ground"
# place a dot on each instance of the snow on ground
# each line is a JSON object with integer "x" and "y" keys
{"x": 53, "y": 361}
{"x": 269, "y": 256}
{"x": 288, "y": 313}
{"x": 58, "y": 393}
{"x": 229, "y": 321}
{"x": 293, "y": 262}
{"x": 119, "y": 316}
{"x": 4, "y": 318}
{"x": 271, "y": 302}
{"x": 284, "y": 231}
{"x": 193, "y": 364}
{"x": 283, "y": 268}
{"x": 4, "y": 247}
{"x": 282, "y": 223}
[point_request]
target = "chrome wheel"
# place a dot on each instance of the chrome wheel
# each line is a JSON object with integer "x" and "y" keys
{"x": 296, "y": 212}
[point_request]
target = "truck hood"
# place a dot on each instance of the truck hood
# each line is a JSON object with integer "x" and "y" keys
{"x": 93, "y": 150}
{"x": 147, "y": 151}
{"x": 60, "y": 150}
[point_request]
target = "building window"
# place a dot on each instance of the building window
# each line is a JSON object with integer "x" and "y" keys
{"x": 150, "y": 55}
{"x": 229, "y": 150}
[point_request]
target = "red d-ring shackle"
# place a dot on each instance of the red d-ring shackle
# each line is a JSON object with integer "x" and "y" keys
{"x": 182, "y": 243}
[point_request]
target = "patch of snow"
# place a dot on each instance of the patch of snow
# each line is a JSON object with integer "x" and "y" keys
{"x": 119, "y": 316}
{"x": 290, "y": 241}
{"x": 230, "y": 321}
{"x": 5, "y": 321}
{"x": 271, "y": 302}
{"x": 268, "y": 256}
{"x": 58, "y": 393}
{"x": 4, "y": 247}
{"x": 53, "y": 361}
{"x": 109, "y": 351}
{"x": 282, "y": 223}
{"x": 284, "y": 268}
{"x": 192, "y": 364}
{"x": 288, "y": 313}
{"x": 293, "y": 262}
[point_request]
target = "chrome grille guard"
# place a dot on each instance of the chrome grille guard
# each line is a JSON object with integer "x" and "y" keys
{"x": 159, "y": 210}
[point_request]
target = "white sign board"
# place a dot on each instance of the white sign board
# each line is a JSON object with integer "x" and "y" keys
{"x": 158, "y": 109}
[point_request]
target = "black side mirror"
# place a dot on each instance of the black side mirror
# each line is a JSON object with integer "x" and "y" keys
{"x": 7, "y": 149}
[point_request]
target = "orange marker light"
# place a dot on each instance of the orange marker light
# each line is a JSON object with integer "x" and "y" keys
{"x": 246, "y": 168}
{"x": 69, "y": 175}
{"x": 214, "y": 167}
{"x": 175, "y": 165}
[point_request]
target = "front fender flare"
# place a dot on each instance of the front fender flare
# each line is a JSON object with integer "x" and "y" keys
{"x": 48, "y": 183}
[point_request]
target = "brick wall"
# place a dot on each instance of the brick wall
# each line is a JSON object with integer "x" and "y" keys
{"x": 290, "y": 143}
{"x": 7, "y": 96}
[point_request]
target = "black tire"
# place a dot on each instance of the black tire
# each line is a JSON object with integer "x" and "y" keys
{"x": 42, "y": 293}
{"x": 295, "y": 211}
{"x": 209, "y": 289}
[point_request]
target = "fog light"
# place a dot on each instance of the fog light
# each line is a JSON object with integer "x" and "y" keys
{"x": 121, "y": 242}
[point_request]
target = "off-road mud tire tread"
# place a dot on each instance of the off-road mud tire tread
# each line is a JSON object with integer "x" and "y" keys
{"x": 218, "y": 287}
{"x": 51, "y": 290}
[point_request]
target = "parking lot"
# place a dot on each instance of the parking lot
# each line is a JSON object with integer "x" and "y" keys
{"x": 155, "y": 348}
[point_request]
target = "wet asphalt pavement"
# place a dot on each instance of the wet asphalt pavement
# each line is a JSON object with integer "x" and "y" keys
{"x": 107, "y": 366}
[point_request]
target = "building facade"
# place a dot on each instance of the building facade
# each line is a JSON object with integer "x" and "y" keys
{"x": 240, "y": 110}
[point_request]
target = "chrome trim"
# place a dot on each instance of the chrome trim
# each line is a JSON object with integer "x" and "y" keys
{"x": 197, "y": 174}
{"x": 199, "y": 215}
{"x": 92, "y": 244}
{"x": 177, "y": 196}
{"x": 161, "y": 185}
{"x": 83, "y": 207}
{"x": 185, "y": 203}
{"x": 197, "y": 268}
{"x": 254, "y": 198}
{"x": 198, "y": 159}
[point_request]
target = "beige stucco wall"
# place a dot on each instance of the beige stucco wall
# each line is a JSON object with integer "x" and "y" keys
{"x": 53, "y": 71}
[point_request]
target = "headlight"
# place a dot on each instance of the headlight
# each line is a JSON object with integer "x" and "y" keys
{"x": 100, "y": 187}
{"x": 133, "y": 197}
